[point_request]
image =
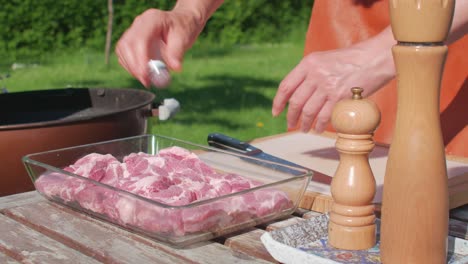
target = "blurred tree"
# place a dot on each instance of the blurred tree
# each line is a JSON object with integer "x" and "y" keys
{"x": 110, "y": 19}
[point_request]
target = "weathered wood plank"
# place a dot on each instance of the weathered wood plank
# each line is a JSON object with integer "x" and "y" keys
{"x": 284, "y": 223}
{"x": 458, "y": 228}
{"x": 460, "y": 213}
{"x": 29, "y": 246}
{"x": 311, "y": 214}
{"x": 20, "y": 199}
{"x": 204, "y": 252}
{"x": 109, "y": 243}
{"x": 250, "y": 244}
{"x": 265, "y": 225}
{"x": 457, "y": 187}
{"x": 6, "y": 259}
{"x": 316, "y": 202}
{"x": 300, "y": 212}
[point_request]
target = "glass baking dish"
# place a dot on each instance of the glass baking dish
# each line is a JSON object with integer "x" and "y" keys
{"x": 271, "y": 193}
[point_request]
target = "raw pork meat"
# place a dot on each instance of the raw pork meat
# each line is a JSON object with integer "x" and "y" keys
{"x": 174, "y": 177}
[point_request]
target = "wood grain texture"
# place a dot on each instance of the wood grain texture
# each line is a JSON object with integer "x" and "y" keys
{"x": 56, "y": 228}
{"x": 249, "y": 243}
{"x": 416, "y": 171}
{"x": 460, "y": 213}
{"x": 73, "y": 230}
{"x": 352, "y": 219}
{"x": 108, "y": 243}
{"x": 284, "y": 223}
{"x": 458, "y": 228}
{"x": 20, "y": 199}
{"x": 421, "y": 20}
{"x": 28, "y": 246}
{"x": 7, "y": 260}
{"x": 316, "y": 202}
{"x": 458, "y": 194}
{"x": 299, "y": 212}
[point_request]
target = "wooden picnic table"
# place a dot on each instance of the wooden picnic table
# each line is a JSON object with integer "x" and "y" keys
{"x": 36, "y": 230}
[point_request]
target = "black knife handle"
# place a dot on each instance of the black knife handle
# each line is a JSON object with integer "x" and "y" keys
{"x": 225, "y": 142}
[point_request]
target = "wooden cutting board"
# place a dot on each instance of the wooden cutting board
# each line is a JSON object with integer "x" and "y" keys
{"x": 318, "y": 153}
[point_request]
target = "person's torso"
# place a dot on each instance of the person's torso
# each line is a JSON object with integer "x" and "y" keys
{"x": 340, "y": 23}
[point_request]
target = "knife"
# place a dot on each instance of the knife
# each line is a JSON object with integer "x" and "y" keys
{"x": 222, "y": 141}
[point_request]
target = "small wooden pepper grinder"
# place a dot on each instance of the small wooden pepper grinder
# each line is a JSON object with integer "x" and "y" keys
{"x": 415, "y": 196}
{"x": 352, "y": 218}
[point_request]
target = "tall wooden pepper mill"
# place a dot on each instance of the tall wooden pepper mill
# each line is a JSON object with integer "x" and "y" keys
{"x": 415, "y": 197}
{"x": 352, "y": 218}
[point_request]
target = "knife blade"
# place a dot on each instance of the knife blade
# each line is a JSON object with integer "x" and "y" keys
{"x": 225, "y": 142}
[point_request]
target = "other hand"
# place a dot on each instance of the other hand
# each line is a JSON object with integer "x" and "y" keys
{"x": 321, "y": 79}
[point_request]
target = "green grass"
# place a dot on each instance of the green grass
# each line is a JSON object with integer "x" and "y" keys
{"x": 221, "y": 89}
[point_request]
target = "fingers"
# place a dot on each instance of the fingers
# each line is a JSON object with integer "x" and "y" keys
{"x": 306, "y": 100}
{"x": 134, "y": 59}
{"x": 310, "y": 110}
{"x": 173, "y": 54}
{"x": 155, "y": 34}
{"x": 298, "y": 101}
{"x": 138, "y": 45}
{"x": 286, "y": 88}
{"x": 314, "y": 86}
{"x": 180, "y": 36}
{"x": 316, "y": 107}
{"x": 324, "y": 116}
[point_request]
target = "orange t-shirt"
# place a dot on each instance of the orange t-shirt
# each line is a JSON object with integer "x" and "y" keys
{"x": 340, "y": 23}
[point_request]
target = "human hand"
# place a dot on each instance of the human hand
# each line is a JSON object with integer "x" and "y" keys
{"x": 160, "y": 35}
{"x": 322, "y": 79}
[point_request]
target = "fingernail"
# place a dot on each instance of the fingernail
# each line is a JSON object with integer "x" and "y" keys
{"x": 175, "y": 65}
